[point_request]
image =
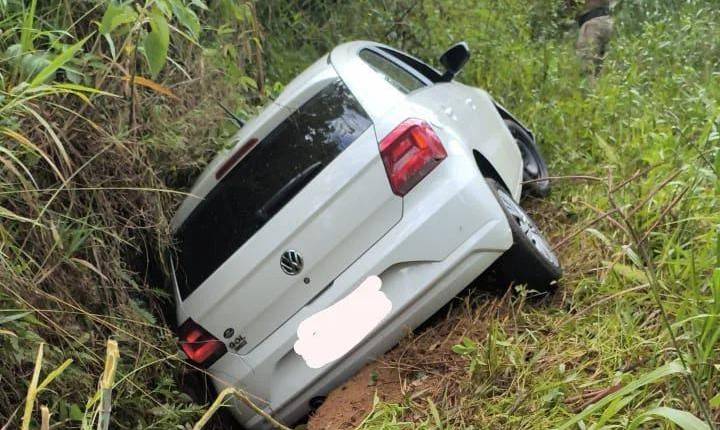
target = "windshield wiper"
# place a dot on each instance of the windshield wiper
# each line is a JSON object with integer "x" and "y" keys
{"x": 288, "y": 190}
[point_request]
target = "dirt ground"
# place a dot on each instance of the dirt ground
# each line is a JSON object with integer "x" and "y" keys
{"x": 421, "y": 366}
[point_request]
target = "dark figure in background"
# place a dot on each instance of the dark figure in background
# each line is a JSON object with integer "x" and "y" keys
{"x": 596, "y": 29}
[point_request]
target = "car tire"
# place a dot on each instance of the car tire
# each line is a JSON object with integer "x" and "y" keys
{"x": 530, "y": 260}
{"x": 534, "y": 166}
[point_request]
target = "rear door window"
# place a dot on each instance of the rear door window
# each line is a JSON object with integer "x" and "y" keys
{"x": 398, "y": 77}
{"x": 277, "y": 169}
{"x": 428, "y": 72}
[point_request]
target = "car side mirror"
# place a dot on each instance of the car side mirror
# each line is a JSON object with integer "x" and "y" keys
{"x": 454, "y": 59}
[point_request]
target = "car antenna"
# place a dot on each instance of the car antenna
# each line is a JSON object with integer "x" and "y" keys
{"x": 231, "y": 115}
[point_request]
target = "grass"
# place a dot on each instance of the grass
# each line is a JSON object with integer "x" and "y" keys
{"x": 98, "y": 141}
{"x": 638, "y": 238}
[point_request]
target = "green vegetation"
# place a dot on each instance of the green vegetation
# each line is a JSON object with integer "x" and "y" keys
{"x": 108, "y": 111}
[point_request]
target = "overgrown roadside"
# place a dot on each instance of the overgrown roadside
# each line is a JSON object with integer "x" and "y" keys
{"x": 88, "y": 180}
{"x": 107, "y": 112}
{"x": 631, "y": 338}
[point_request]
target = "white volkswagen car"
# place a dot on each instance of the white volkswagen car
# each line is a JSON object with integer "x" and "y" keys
{"x": 352, "y": 208}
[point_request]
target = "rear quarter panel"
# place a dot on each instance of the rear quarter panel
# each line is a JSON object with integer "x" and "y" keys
{"x": 470, "y": 115}
{"x": 465, "y": 113}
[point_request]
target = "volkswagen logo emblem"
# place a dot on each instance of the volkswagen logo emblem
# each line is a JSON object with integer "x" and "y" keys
{"x": 291, "y": 262}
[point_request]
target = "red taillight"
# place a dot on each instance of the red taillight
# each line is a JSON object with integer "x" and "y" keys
{"x": 200, "y": 346}
{"x": 410, "y": 152}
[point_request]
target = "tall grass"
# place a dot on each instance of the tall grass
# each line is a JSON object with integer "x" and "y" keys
{"x": 109, "y": 109}
{"x": 639, "y": 243}
{"x": 105, "y": 109}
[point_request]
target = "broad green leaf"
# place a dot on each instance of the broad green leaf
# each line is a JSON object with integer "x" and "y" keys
{"x": 57, "y": 63}
{"x": 115, "y": 16}
{"x": 613, "y": 409}
{"x": 156, "y": 42}
{"x": 684, "y": 420}
{"x": 79, "y": 89}
{"x": 164, "y": 7}
{"x": 630, "y": 273}
{"x": 75, "y": 412}
{"x": 609, "y": 150}
{"x": 600, "y": 236}
{"x": 199, "y": 3}
{"x": 31, "y": 64}
{"x": 111, "y": 44}
{"x": 186, "y": 17}
{"x": 715, "y": 401}
{"x": 671, "y": 368}
{"x": 54, "y": 374}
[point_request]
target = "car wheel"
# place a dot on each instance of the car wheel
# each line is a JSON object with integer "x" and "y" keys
{"x": 534, "y": 166}
{"x": 531, "y": 259}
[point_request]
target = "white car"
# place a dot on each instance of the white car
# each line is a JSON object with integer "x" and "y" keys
{"x": 352, "y": 208}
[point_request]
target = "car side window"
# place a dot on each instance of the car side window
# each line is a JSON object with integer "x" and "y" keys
{"x": 431, "y": 74}
{"x": 398, "y": 77}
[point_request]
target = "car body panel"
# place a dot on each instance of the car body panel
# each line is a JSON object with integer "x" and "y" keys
{"x": 252, "y": 295}
{"x": 469, "y": 113}
{"x": 373, "y": 92}
{"x": 415, "y": 281}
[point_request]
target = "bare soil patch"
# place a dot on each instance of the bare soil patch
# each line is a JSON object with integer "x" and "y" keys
{"x": 421, "y": 366}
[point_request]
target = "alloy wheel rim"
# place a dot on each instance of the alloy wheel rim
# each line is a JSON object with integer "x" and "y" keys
{"x": 529, "y": 229}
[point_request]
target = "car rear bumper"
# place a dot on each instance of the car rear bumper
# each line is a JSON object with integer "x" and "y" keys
{"x": 451, "y": 231}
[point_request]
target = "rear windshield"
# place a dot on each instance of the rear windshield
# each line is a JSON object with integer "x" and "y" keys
{"x": 265, "y": 180}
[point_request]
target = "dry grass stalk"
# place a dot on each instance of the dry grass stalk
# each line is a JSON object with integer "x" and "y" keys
{"x": 45, "y": 418}
{"x": 106, "y": 384}
{"x": 32, "y": 390}
{"x": 231, "y": 391}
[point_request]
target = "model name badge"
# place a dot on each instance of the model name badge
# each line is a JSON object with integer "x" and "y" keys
{"x": 331, "y": 333}
{"x": 237, "y": 343}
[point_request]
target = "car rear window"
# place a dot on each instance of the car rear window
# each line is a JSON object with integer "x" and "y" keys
{"x": 397, "y": 76}
{"x": 265, "y": 180}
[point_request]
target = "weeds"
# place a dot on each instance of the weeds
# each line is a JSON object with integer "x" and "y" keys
{"x": 107, "y": 107}
{"x": 640, "y": 254}
{"x": 102, "y": 106}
